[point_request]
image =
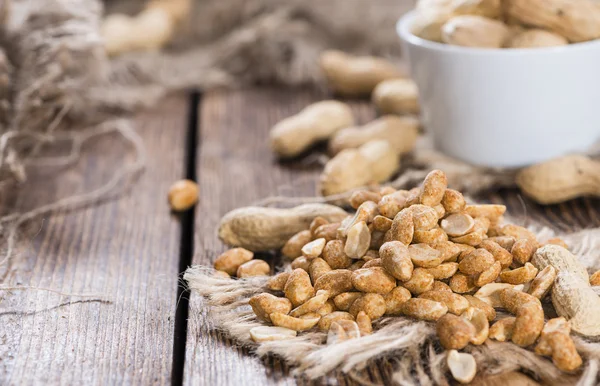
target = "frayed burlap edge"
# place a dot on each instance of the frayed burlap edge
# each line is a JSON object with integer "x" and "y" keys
{"x": 410, "y": 346}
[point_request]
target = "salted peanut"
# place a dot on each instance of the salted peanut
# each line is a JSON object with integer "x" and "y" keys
{"x": 520, "y": 275}
{"x": 594, "y": 278}
{"x": 457, "y": 224}
{"x": 506, "y": 242}
{"x": 434, "y": 187}
{"x": 382, "y": 223}
{"x": 523, "y": 250}
{"x": 391, "y": 204}
{"x": 301, "y": 262}
{"x": 395, "y": 259}
{"x": 560, "y": 325}
{"x": 394, "y": 300}
{"x": 490, "y": 211}
{"x": 518, "y": 232}
{"x": 327, "y": 231}
{"x": 358, "y": 241}
{"x": 269, "y": 333}
{"x": 502, "y": 330}
{"x": 372, "y": 263}
{"x": 277, "y": 282}
{"x": 443, "y": 271}
{"x": 296, "y": 324}
{"x": 453, "y": 201}
{"x": 479, "y": 320}
{"x": 335, "y": 316}
{"x": 314, "y": 248}
{"x": 440, "y": 286}
{"x": 462, "y": 366}
{"x": 454, "y": 332}
{"x": 476, "y": 262}
{"x": 500, "y": 254}
{"x": 229, "y": 261}
{"x": 535, "y": 38}
{"x": 344, "y": 300}
{"x": 253, "y": 268}
{"x": 456, "y": 304}
{"x": 317, "y": 222}
{"x": 490, "y": 293}
{"x": 421, "y": 281}
{"x": 221, "y": 275}
{"x": 448, "y": 250}
{"x": 293, "y": 247}
{"x": 424, "y": 217}
{"x": 424, "y": 309}
{"x": 317, "y": 268}
{"x": 461, "y": 283}
{"x": 385, "y": 190}
{"x": 334, "y": 255}
{"x": 311, "y": 305}
{"x": 357, "y": 265}
{"x": 441, "y": 212}
{"x": 489, "y": 311}
{"x": 422, "y": 255}
{"x": 335, "y": 282}
{"x": 482, "y": 224}
{"x": 183, "y": 195}
{"x": 265, "y": 304}
{"x": 541, "y": 285}
{"x": 529, "y": 315}
{"x": 327, "y": 308}
{"x": 364, "y": 323}
{"x": 489, "y": 275}
{"x": 557, "y": 241}
{"x": 464, "y": 250}
{"x": 298, "y": 287}
{"x": 372, "y": 304}
{"x": 556, "y": 342}
{"x": 336, "y": 334}
{"x": 366, "y": 213}
{"x": 432, "y": 236}
{"x": 360, "y": 196}
{"x": 473, "y": 239}
{"x": 350, "y": 327}
{"x": 403, "y": 227}
{"x": 373, "y": 280}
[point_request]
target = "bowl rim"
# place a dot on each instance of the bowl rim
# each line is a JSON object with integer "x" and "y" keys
{"x": 404, "y": 32}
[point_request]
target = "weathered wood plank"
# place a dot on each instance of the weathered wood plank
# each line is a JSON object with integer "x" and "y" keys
{"x": 126, "y": 251}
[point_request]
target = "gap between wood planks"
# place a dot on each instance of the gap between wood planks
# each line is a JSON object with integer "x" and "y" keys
{"x": 186, "y": 248}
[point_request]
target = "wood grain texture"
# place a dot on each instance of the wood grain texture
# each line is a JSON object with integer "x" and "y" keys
{"x": 125, "y": 250}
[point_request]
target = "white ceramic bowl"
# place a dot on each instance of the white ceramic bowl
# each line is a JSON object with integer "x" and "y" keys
{"x": 506, "y": 107}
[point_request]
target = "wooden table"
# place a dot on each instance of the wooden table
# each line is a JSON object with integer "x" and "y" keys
{"x": 130, "y": 252}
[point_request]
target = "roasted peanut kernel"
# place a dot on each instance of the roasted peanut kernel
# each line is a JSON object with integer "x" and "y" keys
{"x": 396, "y": 260}
{"x": 523, "y": 250}
{"x": 183, "y": 195}
{"x": 454, "y": 332}
{"x": 449, "y": 251}
{"x": 443, "y": 271}
{"x": 489, "y": 311}
{"x": 490, "y": 293}
{"x": 335, "y": 316}
{"x": 461, "y": 283}
{"x": 360, "y": 196}
{"x": 317, "y": 222}
{"x": 390, "y": 205}
{"x": 344, "y": 300}
{"x": 229, "y": 261}
{"x": 456, "y": 304}
{"x": 502, "y": 329}
{"x": 403, "y": 227}
{"x": 489, "y": 211}
{"x": 564, "y": 353}
{"x": 453, "y": 201}
{"x": 372, "y": 263}
{"x": 385, "y": 190}
{"x": 424, "y": 309}
{"x": 375, "y": 280}
{"x": 364, "y": 323}
{"x": 265, "y": 304}
{"x": 464, "y": 250}
{"x": 433, "y": 189}
{"x": 298, "y": 287}
{"x": 350, "y": 327}
{"x": 296, "y": 324}
{"x": 334, "y": 255}
{"x": 521, "y": 275}
{"x": 366, "y": 212}
{"x": 372, "y": 304}
{"x": 311, "y": 305}
{"x": 221, "y": 274}
{"x": 505, "y": 242}
{"x": 432, "y": 236}
{"x": 317, "y": 268}
{"x": 327, "y": 308}
{"x": 541, "y": 285}
{"x": 529, "y": 316}
{"x": 440, "y": 286}
{"x": 500, "y": 254}
{"x": 594, "y": 278}
{"x": 382, "y": 223}
{"x": 335, "y": 282}
{"x": 476, "y": 262}
{"x": 277, "y": 282}
{"x": 473, "y": 239}
{"x": 479, "y": 320}
{"x": 336, "y": 334}
{"x": 422, "y": 255}
{"x": 269, "y": 333}
{"x": 358, "y": 241}
{"x": 489, "y": 275}
{"x": 394, "y": 300}
{"x": 518, "y": 232}
{"x": 314, "y": 248}
{"x": 421, "y": 281}
{"x": 328, "y": 231}
{"x": 293, "y": 247}
{"x": 462, "y": 366}
{"x": 424, "y": 217}
{"x": 457, "y": 224}
{"x": 301, "y": 262}
{"x": 253, "y": 268}
{"x": 439, "y": 209}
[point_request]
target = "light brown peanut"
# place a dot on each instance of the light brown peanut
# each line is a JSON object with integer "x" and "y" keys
{"x": 556, "y": 342}
{"x": 253, "y": 268}
{"x": 490, "y": 211}
{"x": 293, "y": 247}
{"x": 391, "y": 204}
{"x": 434, "y": 187}
{"x": 443, "y": 271}
{"x": 344, "y": 300}
{"x": 449, "y": 250}
{"x": 313, "y": 249}
{"x": 454, "y": 332}
{"x": 479, "y": 320}
{"x": 523, "y": 250}
{"x": 394, "y": 300}
{"x": 521, "y": 275}
{"x": 424, "y": 309}
{"x": 296, "y": 324}
{"x": 420, "y": 281}
{"x": 396, "y": 260}
{"x": 473, "y": 239}
{"x": 461, "y": 283}
{"x": 298, "y": 287}
{"x": 424, "y": 217}
{"x": 277, "y": 282}
{"x": 518, "y": 232}
{"x": 358, "y": 241}
{"x": 334, "y": 255}
{"x": 327, "y": 320}
{"x": 316, "y": 222}
{"x": 453, "y": 201}
{"x": 364, "y": 323}
{"x": 424, "y": 256}
{"x": 500, "y": 254}
{"x": 432, "y": 236}
{"x": 529, "y": 316}
{"x": 327, "y": 308}
{"x": 221, "y": 274}
{"x": 301, "y": 262}
{"x": 183, "y": 195}
{"x": 311, "y": 305}
{"x": 403, "y": 227}
{"x": 506, "y": 242}
{"x": 317, "y": 268}
{"x": 475, "y": 31}
{"x": 595, "y": 278}
{"x": 456, "y": 304}
{"x": 261, "y": 334}
{"x": 440, "y": 286}
{"x": 265, "y": 304}
{"x": 490, "y": 293}
{"x": 557, "y": 241}
{"x": 457, "y": 224}
{"x": 502, "y": 330}
{"x": 396, "y": 96}
{"x": 489, "y": 311}
{"x": 372, "y": 304}
{"x": 373, "y": 280}
{"x": 327, "y": 231}
{"x": 541, "y": 285}
{"x": 366, "y": 213}
{"x": 229, "y": 261}
{"x": 361, "y": 196}
{"x": 476, "y": 262}
{"x": 335, "y": 282}
{"x": 534, "y": 38}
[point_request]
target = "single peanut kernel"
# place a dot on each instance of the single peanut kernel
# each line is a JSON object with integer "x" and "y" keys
{"x": 183, "y": 195}
{"x": 457, "y": 224}
{"x": 254, "y": 268}
{"x": 229, "y": 261}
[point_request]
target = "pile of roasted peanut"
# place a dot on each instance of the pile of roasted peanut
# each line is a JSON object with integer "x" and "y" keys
{"x": 425, "y": 254}
{"x": 507, "y": 23}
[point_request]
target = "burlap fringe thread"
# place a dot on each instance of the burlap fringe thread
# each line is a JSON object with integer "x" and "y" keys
{"x": 410, "y": 346}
